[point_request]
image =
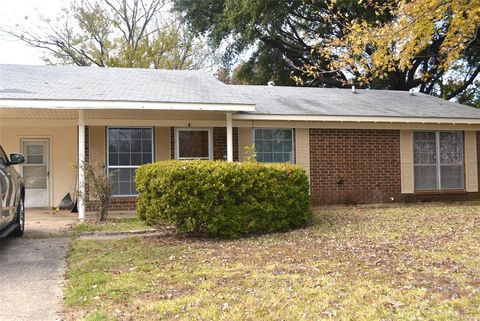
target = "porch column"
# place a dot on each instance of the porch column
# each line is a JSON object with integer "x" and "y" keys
{"x": 81, "y": 166}
{"x": 229, "y": 138}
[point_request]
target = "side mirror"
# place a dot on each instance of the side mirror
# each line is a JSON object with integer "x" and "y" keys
{"x": 16, "y": 159}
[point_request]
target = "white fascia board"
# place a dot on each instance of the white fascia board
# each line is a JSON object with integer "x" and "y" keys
{"x": 357, "y": 119}
{"x": 92, "y": 105}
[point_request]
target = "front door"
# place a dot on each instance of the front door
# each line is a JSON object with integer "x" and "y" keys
{"x": 36, "y": 172}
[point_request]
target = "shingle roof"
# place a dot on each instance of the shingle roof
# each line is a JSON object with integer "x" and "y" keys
{"x": 276, "y": 100}
{"x": 113, "y": 84}
{"x": 148, "y": 85}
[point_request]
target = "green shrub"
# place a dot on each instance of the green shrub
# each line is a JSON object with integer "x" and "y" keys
{"x": 224, "y": 199}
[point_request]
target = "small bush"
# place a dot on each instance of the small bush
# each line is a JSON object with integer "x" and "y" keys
{"x": 217, "y": 198}
{"x": 100, "y": 188}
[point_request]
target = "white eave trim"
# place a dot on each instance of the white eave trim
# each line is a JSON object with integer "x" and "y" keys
{"x": 92, "y": 105}
{"x": 357, "y": 119}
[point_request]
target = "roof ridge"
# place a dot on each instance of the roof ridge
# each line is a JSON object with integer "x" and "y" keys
{"x": 199, "y": 71}
{"x": 325, "y": 88}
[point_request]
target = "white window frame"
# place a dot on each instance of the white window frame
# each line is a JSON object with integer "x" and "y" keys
{"x": 277, "y": 128}
{"x": 126, "y": 166}
{"x": 438, "y": 164}
{"x": 210, "y": 143}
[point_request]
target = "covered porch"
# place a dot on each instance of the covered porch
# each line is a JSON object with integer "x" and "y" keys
{"x": 56, "y": 139}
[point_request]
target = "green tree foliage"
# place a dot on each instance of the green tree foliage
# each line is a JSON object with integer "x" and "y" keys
{"x": 303, "y": 40}
{"x": 275, "y": 32}
{"x": 116, "y": 33}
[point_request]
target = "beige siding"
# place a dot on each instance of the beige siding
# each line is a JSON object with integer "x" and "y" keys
{"x": 471, "y": 175}
{"x": 162, "y": 143}
{"x": 63, "y": 149}
{"x": 245, "y": 139}
{"x": 406, "y": 159}
{"x": 97, "y": 144}
{"x": 302, "y": 148}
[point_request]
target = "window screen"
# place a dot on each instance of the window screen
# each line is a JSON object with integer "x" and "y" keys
{"x": 128, "y": 148}
{"x": 438, "y": 160}
{"x": 274, "y": 145}
{"x": 193, "y": 144}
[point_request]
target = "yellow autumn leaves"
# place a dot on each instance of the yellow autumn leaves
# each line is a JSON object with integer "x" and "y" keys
{"x": 373, "y": 49}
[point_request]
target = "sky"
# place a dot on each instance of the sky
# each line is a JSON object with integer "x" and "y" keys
{"x": 14, "y": 12}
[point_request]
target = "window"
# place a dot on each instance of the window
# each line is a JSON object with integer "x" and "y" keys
{"x": 128, "y": 148}
{"x": 273, "y": 145}
{"x": 193, "y": 143}
{"x": 438, "y": 160}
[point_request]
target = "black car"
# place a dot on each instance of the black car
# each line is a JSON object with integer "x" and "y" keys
{"x": 12, "y": 196}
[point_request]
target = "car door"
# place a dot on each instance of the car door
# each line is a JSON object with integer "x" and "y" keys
{"x": 7, "y": 191}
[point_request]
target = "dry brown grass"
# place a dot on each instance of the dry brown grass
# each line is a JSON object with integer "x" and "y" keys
{"x": 405, "y": 263}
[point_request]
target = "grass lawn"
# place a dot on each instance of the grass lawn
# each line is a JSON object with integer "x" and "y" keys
{"x": 408, "y": 263}
{"x": 112, "y": 225}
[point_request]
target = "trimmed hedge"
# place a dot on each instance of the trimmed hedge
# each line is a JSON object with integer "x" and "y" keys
{"x": 223, "y": 199}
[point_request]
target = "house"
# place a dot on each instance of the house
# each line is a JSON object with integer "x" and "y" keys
{"x": 358, "y": 147}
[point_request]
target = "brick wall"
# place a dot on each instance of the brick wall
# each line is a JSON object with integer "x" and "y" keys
{"x": 350, "y": 166}
{"x": 124, "y": 203}
{"x": 357, "y": 166}
{"x": 220, "y": 143}
{"x": 172, "y": 142}
{"x": 117, "y": 204}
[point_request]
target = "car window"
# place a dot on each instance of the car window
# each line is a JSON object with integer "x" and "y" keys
{"x": 3, "y": 156}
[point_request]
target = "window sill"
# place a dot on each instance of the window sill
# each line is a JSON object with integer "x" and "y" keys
{"x": 441, "y": 192}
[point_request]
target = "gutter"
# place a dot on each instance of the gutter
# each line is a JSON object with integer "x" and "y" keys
{"x": 128, "y": 105}
{"x": 358, "y": 119}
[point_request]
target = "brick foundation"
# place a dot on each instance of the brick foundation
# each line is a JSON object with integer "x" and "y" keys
{"x": 124, "y": 203}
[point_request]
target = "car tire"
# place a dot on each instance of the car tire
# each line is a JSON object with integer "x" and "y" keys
{"x": 20, "y": 219}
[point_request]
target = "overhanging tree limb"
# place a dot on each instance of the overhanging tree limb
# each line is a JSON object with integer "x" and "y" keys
{"x": 465, "y": 84}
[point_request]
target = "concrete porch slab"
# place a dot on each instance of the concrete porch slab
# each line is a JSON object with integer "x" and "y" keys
{"x": 47, "y": 222}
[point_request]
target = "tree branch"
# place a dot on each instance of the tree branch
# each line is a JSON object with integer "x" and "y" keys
{"x": 464, "y": 85}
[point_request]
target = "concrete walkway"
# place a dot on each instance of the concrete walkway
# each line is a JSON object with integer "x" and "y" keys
{"x": 47, "y": 223}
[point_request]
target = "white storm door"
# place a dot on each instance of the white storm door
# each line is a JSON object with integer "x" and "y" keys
{"x": 36, "y": 172}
